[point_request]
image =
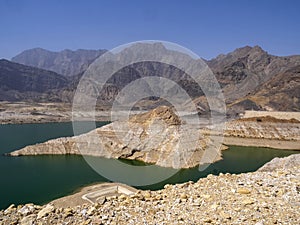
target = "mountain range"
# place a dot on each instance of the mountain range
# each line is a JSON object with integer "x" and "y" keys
{"x": 20, "y": 83}
{"x": 66, "y": 62}
{"x": 250, "y": 78}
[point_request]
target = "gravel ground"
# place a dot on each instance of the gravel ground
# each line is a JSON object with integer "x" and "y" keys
{"x": 250, "y": 198}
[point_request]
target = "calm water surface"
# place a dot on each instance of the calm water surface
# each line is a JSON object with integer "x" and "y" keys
{"x": 40, "y": 179}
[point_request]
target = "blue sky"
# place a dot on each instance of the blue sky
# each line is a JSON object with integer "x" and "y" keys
{"x": 208, "y": 28}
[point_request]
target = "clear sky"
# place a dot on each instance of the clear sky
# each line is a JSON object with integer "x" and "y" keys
{"x": 206, "y": 27}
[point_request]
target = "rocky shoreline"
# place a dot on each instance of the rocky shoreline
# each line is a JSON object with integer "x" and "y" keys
{"x": 261, "y": 142}
{"x": 268, "y": 196}
{"x": 263, "y": 131}
{"x": 157, "y": 137}
{"x": 31, "y": 112}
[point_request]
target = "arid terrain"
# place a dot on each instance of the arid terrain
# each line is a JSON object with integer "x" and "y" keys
{"x": 262, "y": 98}
{"x": 269, "y": 196}
{"x": 33, "y": 112}
{"x": 250, "y": 78}
{"x": 160, "y": 137}
{"x": 150, "y": 112}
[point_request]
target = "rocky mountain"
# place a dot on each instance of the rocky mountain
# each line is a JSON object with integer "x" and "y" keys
{"x": 249, "y": 76}
{"x": 281, "y": 92}
{"x": 66, "y": 62}
{"x": 25, "y": 83}
{"x": 243, "y": 71}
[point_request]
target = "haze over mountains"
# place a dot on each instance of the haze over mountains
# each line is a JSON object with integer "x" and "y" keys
{"x": 20, "y": 83}
{"x": 249, "y": 76}
{"x": 66, "y": 62}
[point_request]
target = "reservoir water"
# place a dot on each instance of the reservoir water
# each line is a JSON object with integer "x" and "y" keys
{"x": 40, "y": 179}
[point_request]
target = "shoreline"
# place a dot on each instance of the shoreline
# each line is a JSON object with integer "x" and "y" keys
{"x": 18, "y": 122}
{"x": 255, "y": 131}
{"x": 230, "y": 199}
{"x": 107, "y": 190}
{"x": 262, "y": 142}
{"x": 99, "y": 191}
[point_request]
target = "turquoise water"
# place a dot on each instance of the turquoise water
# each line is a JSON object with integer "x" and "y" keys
{"x": 40, "y": 179}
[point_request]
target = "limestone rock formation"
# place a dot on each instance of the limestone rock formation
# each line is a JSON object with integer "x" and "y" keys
{"x": 264, "y": 128}
{"x": 158, "y": 137}
{"x": 285, "y": 163}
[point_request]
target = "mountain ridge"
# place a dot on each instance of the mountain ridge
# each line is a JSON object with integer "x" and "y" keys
{"x": 66, "y": 62}
{"x": 245, "y": 76}
{"x": 20, "y": 82}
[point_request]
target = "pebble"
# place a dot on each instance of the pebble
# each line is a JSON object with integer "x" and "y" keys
{"x": 28, "y": 220}
{"x": 183, "y": 196}
{"x": 225, "y": 215}
{"x": 248, "y": 201}
{"x": 45, "y": 211}
{"x": 243, "y": 191}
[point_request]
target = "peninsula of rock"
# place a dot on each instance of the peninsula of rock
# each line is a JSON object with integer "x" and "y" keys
{"x": 158, "y": 137}
{"x": 154, "y": 137}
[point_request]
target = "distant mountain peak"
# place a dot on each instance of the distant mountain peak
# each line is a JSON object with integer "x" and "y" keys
{"x": 66, "y": 62}
{"x": 246, "y": 48}
{"x": 37, "y": 49}
{"x": 249, "y": 77}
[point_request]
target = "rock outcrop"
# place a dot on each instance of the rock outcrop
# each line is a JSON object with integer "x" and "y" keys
{"x": 264, "y": 128}
{"x": 158, "y": 137}
{"x": 282, "y": 92}
{"x": 264, "y": 131}
{"x": 285, "y": 163}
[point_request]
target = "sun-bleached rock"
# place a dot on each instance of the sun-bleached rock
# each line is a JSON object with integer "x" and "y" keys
{"x": 159, "y": 137}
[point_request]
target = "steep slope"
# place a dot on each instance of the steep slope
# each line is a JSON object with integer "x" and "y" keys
{"x": 65, "y": 62}
{"x": 280, "y": 93}
{"x": 241, "y": 74}
{"x": 19, "y": 82}
{"x": 249, "y": 76}
{"x": 244, "y": 70}
{"x": 139, "y": 70}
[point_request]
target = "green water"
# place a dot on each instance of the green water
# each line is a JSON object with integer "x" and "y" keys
{"x": 40, "y": 179}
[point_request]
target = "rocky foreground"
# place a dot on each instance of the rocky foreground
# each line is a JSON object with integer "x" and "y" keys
{"x": 268, "y": 196}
